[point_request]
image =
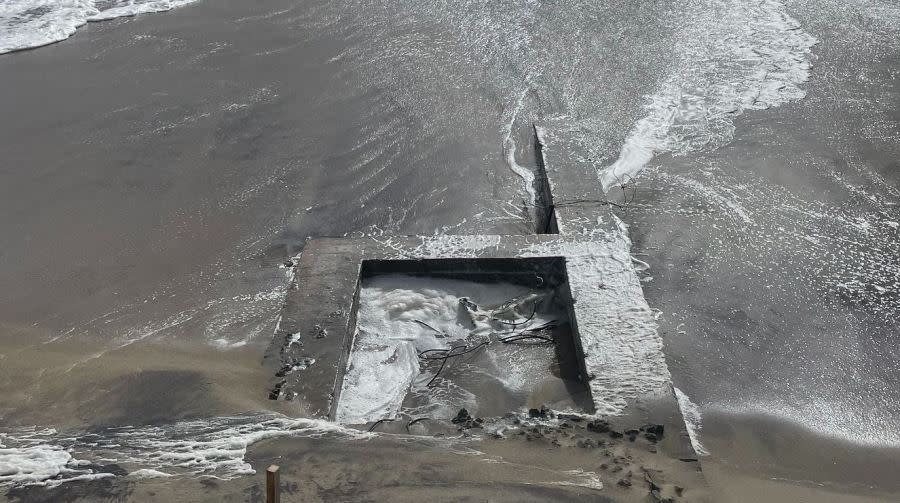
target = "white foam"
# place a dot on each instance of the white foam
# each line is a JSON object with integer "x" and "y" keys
{"x": 25, "y": 24}
{"x": 214, "y": 446}
{"x": 147, "y": 473}
{"x": 693, "y": 422}
{"x": 733, "y": 56}
{"x": 384, "y": 360}
{"x": 509, "y": 150}
{"x": 29, "y": 465}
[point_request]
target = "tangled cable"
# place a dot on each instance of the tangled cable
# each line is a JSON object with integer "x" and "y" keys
{"x": 529, "y": 336}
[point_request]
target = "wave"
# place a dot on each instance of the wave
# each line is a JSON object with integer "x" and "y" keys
{"x": 26, "y": 24}
{"x": 734, "y": 56}
{"x": 214, "y": 446}
{"x": 693, "y": 421}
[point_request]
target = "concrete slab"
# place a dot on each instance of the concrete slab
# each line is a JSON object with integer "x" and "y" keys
{"x": 623, "y": 360}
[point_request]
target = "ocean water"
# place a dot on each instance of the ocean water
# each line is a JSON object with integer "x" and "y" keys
{"x": 188, "y": 155}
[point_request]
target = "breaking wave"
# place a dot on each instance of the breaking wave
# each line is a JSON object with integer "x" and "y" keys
{"x": 25, "y": 24}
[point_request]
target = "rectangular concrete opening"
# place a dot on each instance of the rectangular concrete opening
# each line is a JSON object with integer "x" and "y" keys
{"x": 492, "y": 335}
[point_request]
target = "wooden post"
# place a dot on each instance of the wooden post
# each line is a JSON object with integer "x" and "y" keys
{"x": 272, "y": 494}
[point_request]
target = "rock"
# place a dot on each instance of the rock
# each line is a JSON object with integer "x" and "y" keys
{"x": 461, "y": 417}
{"x": 615, "y": 434}
{"x": 587, "y": 443}
{"x": 598, "y": 426}
{"x": 546, "y": 412}
{"x": 534, "y": 413}
{"x": 604, "y": 466}
{"x": 651, "y": 437}
{"x": 624, "y": 482}
{"x": 655, "y": 429}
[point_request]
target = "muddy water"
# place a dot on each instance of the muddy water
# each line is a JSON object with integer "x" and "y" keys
{"x": 155, "y": 173}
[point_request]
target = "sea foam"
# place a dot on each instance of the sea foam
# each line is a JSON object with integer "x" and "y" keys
{"x": 734, "y": 56}
{"x": 25, "y": 24}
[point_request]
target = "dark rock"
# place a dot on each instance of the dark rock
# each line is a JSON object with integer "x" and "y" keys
{"x": 651, "y": 437}
{"x": 624, "y": 482}
{"x": 631, "y": 438}
{"x": 598, "y": 426}
{"x": 632, "y": 432}
{"x": 604, "y": 466}
{"x": 534, "y": 413}
{"x": 615, "y": 434}
{"x": 461, "y": 417}
{"x": 275, "y": 392}
{"x": 655, "y": 429}
{"x": 288, "y": 263}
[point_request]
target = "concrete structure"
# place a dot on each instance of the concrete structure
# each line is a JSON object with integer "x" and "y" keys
{"x": 615, "y": 332}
